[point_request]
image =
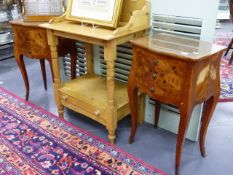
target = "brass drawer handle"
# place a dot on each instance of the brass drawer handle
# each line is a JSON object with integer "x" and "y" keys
{"x": 97, "y": 112}
{"x": 155, "y": 62}
{"x": 152, "y": 89}
{"x": 154, "y": 75}
{"x": 65, "y": 98}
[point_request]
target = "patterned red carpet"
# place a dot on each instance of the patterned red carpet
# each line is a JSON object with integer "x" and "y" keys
{"x": 225, "y": 70}
{"x": 33, "y": 141}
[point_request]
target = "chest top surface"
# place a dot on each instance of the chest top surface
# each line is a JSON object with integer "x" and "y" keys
{"x": 26, "y": 24}
{"x": 177, "y": 46}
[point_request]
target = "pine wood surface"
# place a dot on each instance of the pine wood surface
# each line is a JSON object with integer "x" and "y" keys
{"x": 136, "y": 26}
{"x": 90, "y": 93}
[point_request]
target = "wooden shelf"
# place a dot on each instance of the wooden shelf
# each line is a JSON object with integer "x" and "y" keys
{"x": 89, "y": 94}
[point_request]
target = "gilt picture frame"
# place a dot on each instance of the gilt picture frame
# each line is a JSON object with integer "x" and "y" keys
{"x": 96, "y": 12}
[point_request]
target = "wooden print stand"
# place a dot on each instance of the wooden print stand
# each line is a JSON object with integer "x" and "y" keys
{"x": 101, "y": 98}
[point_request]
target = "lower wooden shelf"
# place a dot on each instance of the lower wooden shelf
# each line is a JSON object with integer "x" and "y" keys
{"x": 88, "y": 95}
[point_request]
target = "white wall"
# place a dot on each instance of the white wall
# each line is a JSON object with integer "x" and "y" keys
{"x": 204, "y": 9}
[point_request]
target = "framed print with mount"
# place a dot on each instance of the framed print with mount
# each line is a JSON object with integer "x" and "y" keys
{"x": 97, "y": 12}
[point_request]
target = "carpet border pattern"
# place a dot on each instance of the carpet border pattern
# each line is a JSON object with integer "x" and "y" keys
{"x": 137, "y": 165}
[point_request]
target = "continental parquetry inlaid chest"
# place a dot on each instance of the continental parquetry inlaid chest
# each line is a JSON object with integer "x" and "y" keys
{"x": 179, "y": 71}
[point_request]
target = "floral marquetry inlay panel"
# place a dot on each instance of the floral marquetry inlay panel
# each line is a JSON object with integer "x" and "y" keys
{"x": 158, "y": 75}
{"x": 33, "y": 43}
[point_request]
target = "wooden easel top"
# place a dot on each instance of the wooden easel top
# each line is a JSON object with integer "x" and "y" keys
{"x": 135, "y": 18}
{"x": 87, "y": 31}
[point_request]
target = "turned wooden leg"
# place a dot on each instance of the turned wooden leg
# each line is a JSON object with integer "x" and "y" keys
{"x": 157, "y": 112}
{"x": 209, "y": 109}
{"x": 60, "y": 110}
{"x": 43, "y": 71}
{"x": 111, "y": 136}
{"x": 185, "y": 115}
{"x": 111, "y": 124}
{"x": 133, "y": 102}
{"x": 20, "y": 62}
{"x": 73, "y": 57}
{"x": 51, "y": 68}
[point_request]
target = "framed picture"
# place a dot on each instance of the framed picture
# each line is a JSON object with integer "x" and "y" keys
{"x": 98, "y": 12}
{"x": 42, "y": 10}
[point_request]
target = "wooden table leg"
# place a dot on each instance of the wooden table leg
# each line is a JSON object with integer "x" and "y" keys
{"x": 53, "y": 43}
{"x": 133, "y": 102}
{"x": 51, "y": 69}
{"x": 43, "y": 71}
{"x": 185, "y": 116}
{"x": 20, "y": 62}
{"x": 112, "y": 111}
{"x": 73, "y": 58}
{"x": 66, "y": 46}
{"x": 157, "y": 112}
{"x": 110, "y": 57}
{"x": 141, "y": 108}
{"x": 89, "y": 57}
{"x": 209, "y": 109}
{"x": 231, "y": 59}
{"x": 229, "y": 47}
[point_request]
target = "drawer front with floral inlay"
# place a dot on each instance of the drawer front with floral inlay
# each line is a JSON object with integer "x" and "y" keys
{"x": 32, "y": 42}
{"x": 157, "y": 74}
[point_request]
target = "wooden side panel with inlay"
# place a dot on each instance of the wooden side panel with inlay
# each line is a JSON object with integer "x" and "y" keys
{"x": 208, "y": 78}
